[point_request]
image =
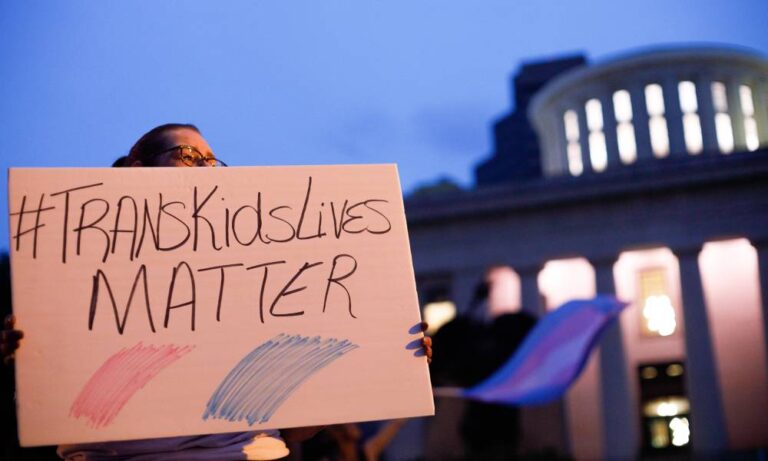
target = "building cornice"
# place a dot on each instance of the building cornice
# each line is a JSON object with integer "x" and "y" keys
{"x": 654, "y": 177}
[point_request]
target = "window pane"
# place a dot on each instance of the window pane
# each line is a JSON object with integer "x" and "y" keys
{"x": 659, "y": 139}
{"x": 575, "y": 165}
{"x": 745, "y": 96}
{"x": 719, "y": 98}
{"x": 692, "y": 131}
{"x": 598, "y": 155}
{"x": 625, "y": 133}
{"x": 571, "y": 121}
{"x": 724, "y": 131}
{"x": 594, "y": 115}
{"x": 687, "y": 93}
{"x": 658, "y": 314}
{"x": 622, "y": 106}
{"x": 654, "y": 99}
{"x": 750, "y": 133}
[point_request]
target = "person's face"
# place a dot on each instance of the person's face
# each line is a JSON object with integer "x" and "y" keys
{"x": 182, "y": 136}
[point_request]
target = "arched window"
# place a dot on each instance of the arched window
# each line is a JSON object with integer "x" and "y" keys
{"x": 657, "y": 123}
{"x": 723, "y": 126}
{"x": 625, "y": 132}
{"x": 686, "y": 90}
{"x": 748, "y": 110}
{"x": 573, "y": 150}
{"x": 598, "y": 155}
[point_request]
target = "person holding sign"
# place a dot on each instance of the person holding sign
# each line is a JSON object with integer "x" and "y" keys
{"x": 179, "y": 145}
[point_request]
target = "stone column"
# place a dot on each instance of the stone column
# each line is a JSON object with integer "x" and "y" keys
{"x": 609, "y": 129}
{"x": 640, "y": 122}
{"x": 619, "y": 406}
{"x": 674, "y": 118}
{"x": 737, "y": 116}
{"x": 762, "y": 268}
{"x": 706, "y": 115}
{"x": 530, "y": 297}
{"x": 708, "y": 429}
{"x": 557, "y": 147}
{"x": 586, "y": 160}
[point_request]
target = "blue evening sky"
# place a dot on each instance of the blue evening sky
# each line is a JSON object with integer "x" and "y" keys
{"x": 275, "y": 82}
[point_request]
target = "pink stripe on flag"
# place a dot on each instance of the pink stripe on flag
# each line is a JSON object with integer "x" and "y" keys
{"x": 119, "y": 378}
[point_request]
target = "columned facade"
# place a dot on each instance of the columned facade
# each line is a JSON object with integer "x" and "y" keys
{"x": 601, "y": 217}
{"x": 698, "y": 125}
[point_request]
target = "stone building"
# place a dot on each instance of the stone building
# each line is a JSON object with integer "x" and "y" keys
{"x": 644, "y": 176}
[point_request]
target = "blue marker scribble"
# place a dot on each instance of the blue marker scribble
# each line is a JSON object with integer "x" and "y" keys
{"x": 255, "y": 388}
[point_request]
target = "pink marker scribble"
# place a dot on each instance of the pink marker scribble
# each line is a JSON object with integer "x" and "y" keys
{"x": 119, "y": 378}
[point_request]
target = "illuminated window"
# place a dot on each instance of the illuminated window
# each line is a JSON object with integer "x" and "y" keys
{"x": 723, "y": 126}
{"x": 625, "y": 132}
{"x": 657, "y": 124}
{"x": 674, "y": 370}
{"x": 658, "y": 314}
{"x": 598, "y": 155}
{"x": 649, "y": 372}
{"x": 750, "y": 125}
{"x": 665, "y": 408}
{"x": 438, "y": 313}
{"x": 571, "y": 122}
{"x": 691, "y": 124}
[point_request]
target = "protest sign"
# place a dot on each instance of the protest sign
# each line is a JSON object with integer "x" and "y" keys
{"x": 171, "y": 301}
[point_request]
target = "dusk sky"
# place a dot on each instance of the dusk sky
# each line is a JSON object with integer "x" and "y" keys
{"x": 417, "y": 83}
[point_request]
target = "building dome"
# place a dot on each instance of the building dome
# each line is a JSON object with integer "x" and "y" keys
{"x": 649, "y": 106}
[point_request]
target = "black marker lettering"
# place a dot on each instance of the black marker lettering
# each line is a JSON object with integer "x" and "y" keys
{"x": 162, "y": 209}
{"x": 221, "y": 284}
{"x": 263, "y": 284}
{"x": 304, "y": 212}
{"x": 197, "y": 217}
{"x": 66, "y": 215}
{"x": 273, "y": 215}
{"x": 148, "y": 221}
{"x": 367, "y": 204}
{"x": 287, "y": 291}
{"x": 19, "y": 233}
{"x": 132, "y": 230}
{"x": 352, "y": 218}
{"x": 256, "y": 232}
{"x": 338, "y": 222}
{"x": 92, "y": 225}
{"x": 191, "y": 302}
{"x": 120, "y": 323}
{"x": 337, "y": 280}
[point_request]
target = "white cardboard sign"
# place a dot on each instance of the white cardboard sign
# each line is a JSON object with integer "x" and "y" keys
{"x": 170, "y": 301}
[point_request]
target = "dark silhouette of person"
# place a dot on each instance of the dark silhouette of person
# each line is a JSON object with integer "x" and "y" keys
{"x": 469, "y": 349}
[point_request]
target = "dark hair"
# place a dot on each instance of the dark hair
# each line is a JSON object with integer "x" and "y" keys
{"x": 121, "y": 161}
{"x": 152, "y": 142}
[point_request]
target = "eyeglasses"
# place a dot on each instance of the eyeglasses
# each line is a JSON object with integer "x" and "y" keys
{"x": 190, "y": 156}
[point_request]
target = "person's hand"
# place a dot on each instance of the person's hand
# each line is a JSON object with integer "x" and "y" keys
{"x": 9, "y": 339}
{"x": 426, "y": 342}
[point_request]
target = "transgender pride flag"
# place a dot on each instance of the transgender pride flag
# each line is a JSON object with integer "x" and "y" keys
{"x": 552, "y": 355}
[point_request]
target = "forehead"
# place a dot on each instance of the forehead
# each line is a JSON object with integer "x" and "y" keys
{"x": 188, "y": 137}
